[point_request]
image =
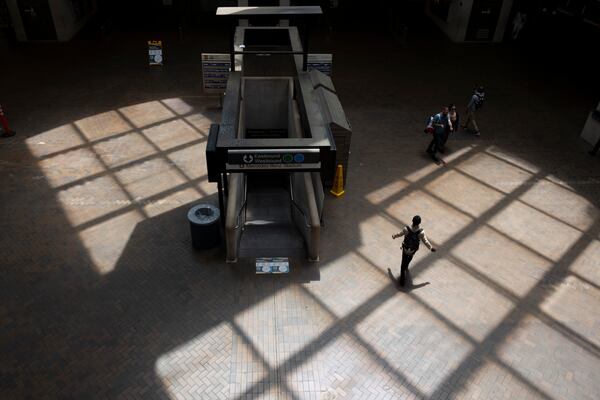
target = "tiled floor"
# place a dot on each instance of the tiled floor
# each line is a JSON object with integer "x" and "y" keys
{"x": 103, "y": 297}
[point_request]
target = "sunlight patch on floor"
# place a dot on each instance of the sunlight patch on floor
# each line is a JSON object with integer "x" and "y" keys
{"x": 494, "y": 172}
{"x": 462, "y": 301}
{"x": 573, "y": 299}
{"x": 387, "y": 191}
{"x": 558, "y": 365}
{"x": 55, "y": 140}
{"x": 561, "y": 203}
{"x": 104, "y": 125}
{"x": 144, "y": 114}
{"x": 106, "y": 240}
{"x": 181, "y": 369}
{"x": 109, "y": 175}
{"x": 538, "y": 231}
{"x": 71, "y": 166}
{"x": 501, "y": 260}
{"x": 464, "y": 193}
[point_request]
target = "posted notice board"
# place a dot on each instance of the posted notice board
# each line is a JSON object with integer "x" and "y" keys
{"x": 155, "y": 54}
{"x": 215, "y": 72}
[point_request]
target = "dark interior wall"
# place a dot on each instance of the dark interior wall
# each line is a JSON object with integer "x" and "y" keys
{"x": 575, "y": 22}
{"x": 561, "y": 37}
{"x": 144, "y": 14}
{"x": 160, "y": 14}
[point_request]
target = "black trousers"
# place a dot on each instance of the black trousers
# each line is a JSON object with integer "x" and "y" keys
{"x": 444, "y": 139}
{"x": 436, "y": 144}
{"x": 406, "y": 259}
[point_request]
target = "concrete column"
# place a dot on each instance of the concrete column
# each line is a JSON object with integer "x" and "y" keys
{"x": 65, "y": 21}
{"x": 15, "y": 16}
{"x": 63, "y": 16}
{"x": 243, "y": 3}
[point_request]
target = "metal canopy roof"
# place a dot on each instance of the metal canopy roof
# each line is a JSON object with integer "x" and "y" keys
{"x": 268, "y": 11}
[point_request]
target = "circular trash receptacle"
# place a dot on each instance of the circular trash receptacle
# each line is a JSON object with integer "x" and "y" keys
{"x": 204, "y": 225}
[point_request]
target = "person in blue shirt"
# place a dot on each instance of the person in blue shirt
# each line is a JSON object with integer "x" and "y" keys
{"x": 440, "y": 124}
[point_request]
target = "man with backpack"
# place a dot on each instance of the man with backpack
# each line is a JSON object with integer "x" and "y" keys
{"x": 474, "y": 105}
{"x": 413, "y": 235}
{"x": 438, "y": 125}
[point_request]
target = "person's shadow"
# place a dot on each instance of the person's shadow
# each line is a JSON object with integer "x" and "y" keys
{"x": 409, "y": 287}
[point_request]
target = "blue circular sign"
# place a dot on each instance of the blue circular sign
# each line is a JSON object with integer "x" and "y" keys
{"x": 299, "y": 158}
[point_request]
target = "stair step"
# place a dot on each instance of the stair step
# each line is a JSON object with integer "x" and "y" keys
{"x": 259, "y": 222}
{"x": 274, "y": 240}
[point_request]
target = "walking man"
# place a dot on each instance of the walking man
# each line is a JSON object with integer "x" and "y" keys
{"x": 440, "y": 124}
{"x": 474, "y": 105}
{"x": 413, "y": 235}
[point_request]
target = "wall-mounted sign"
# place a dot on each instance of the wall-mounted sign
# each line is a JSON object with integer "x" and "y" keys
{"x": 262, "y": 159}
{"x": 155, "y": 56}
{"x": 320, "y": 62}
{"x": 215, "y": 72}
{"x": 272, "y": 265}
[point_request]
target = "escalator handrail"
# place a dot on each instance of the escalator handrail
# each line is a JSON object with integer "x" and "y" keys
{"x": 301, "y": 212}
{"x": 243, "y": 207}
{"x": 293, "y": 202}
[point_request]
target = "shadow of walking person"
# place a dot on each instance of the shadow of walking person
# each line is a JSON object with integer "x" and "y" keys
{"x": 410, "y": 286}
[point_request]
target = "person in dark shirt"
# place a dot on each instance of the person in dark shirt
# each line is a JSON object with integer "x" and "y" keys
{"x": 413, "y": 235}
{"x": 473, "y": 107}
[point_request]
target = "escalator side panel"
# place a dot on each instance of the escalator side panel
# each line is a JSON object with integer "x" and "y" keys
{"x": 234, "y": 221}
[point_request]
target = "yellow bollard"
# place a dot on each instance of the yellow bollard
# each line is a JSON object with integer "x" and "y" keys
{"x": 338, "y": 182}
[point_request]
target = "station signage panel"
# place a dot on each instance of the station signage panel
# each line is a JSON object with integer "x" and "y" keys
{"x": 272, "y": 265}
{"x": 320, "y": 62}
{"x": 265, "y": 159}
{"x": 215, "y": 72}
{"x": 155, "y": 55}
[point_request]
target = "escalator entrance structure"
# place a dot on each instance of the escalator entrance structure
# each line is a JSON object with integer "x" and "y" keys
{"x": 276, "y": 147}
{"x": 269, "y": 228}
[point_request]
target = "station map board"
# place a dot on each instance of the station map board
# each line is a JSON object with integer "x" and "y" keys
{"x": 215, "y": 72}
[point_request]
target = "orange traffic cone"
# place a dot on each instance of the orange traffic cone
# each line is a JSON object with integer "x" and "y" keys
{"x": 338, "y": 182}
{"x": 4, "y": 122}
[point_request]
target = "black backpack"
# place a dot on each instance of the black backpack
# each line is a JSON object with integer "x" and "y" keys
{"x": 412, "y": 239}
{"x": 480, "y": 99}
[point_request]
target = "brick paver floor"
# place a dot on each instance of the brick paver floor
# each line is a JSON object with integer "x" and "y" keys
{"x": 103, "y": 297}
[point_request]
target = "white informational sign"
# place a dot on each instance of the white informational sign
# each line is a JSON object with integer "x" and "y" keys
{"x": 215, "y": 72}
{"x": 155, "y": 55}
{"x": 320, "y": 62}
{"x": 272, "y": 265}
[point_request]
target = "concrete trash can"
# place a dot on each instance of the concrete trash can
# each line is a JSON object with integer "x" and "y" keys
{"x": 205, "y": 226}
